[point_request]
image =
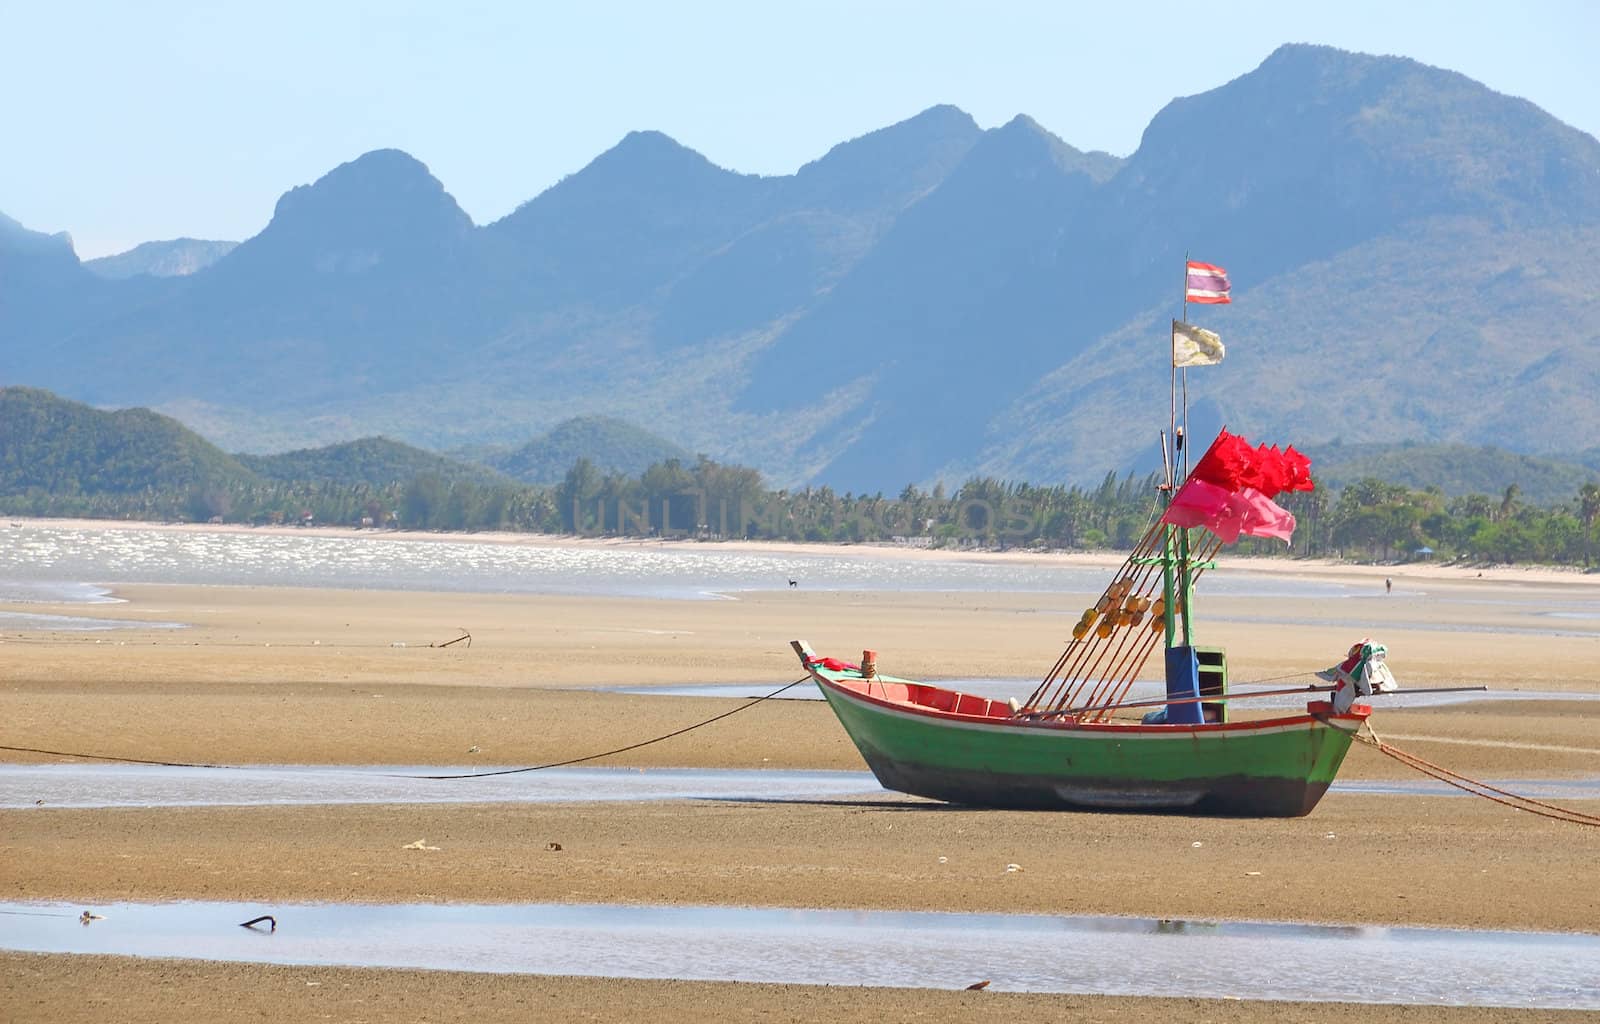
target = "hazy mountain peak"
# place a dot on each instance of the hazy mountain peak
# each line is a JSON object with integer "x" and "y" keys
{"x": 178, "y": 257}
{"x": 380, "y": 206}
{"x": 889, "y": 166}
{"x": 644, "y": 168}
{"x": 17, "y": 238}
{"x": 942, "y": 123}
{"x": 1380, "y": 141}
{"x": 1024, "y": 133}
{"x": 649, "y": 154}
{"x": 376, "y": 183}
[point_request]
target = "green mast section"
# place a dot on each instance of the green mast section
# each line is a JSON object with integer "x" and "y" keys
{"x": 1177, "y": 581}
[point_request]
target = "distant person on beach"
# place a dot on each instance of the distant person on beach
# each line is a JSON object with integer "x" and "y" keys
{"x": 1388, "y": 585}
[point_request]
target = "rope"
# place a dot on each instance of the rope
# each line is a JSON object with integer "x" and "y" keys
{"x": 469, "y": 775}
{"x": 122, "y": 760}
{"x": 619, "y": 750}
{"x": 1477, "y": 788}
{"x": 62, "y": 641}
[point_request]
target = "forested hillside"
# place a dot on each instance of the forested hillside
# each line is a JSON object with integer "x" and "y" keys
{"x": 610, "y": 445}
{"x": 66, "y": 449}
{"x": 370, "y": 460}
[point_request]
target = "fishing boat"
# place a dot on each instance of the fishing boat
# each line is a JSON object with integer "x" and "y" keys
{"x": 1072, "y": 743}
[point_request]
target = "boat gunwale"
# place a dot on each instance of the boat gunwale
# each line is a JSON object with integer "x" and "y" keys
{"x": 846, "y": 688}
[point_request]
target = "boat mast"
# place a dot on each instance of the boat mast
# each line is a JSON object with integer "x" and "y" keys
{"x": 1176, "y": 581}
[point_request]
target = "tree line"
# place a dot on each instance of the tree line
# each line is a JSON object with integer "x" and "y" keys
{"x": 1369, "y": 519}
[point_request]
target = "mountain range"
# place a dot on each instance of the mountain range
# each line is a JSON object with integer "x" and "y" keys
{"x": 1411, "y": 256}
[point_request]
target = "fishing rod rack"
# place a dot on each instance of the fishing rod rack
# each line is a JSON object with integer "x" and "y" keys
{"x": 1115, "y": 637}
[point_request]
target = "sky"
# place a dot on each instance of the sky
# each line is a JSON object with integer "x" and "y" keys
{"x": 130, "y": 122}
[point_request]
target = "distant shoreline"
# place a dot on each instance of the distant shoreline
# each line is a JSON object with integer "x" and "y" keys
{"x": 1310, "y": 567}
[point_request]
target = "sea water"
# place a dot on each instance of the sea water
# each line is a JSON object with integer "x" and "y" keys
{"x": 1013, "y": 952}
{"x": 51, "y": 558}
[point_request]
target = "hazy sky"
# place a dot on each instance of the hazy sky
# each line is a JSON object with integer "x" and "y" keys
{"x": 125, "y": 122}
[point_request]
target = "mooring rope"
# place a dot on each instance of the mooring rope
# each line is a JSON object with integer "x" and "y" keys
{"x": 120, "y": 760}
{"x": 80, "y": 641}
{"x": 619, "y": 750}
{"x": 1476, "y": 787}
{"x": 466, "y": 775}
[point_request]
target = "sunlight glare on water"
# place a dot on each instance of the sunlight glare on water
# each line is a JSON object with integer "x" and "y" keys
{"x": 42, "y": 555}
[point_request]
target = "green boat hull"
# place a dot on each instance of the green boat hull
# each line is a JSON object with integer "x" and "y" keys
{"x": 1275, "y": 768}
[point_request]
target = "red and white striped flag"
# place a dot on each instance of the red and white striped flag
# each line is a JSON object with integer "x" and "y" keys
{"x": 1206, "y": 283}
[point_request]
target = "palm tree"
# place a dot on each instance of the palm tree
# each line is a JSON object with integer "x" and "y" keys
{"x": 1588, "y": 512}
{"x": 1508, "y": 503}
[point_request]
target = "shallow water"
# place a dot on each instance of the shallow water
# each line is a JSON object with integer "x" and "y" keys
{"x": 35, "y": 622}
{"x": 1015, "y": 952}
{"x": 114, "y": 785}
{"x": 17, "y": 591}
{"x": 44, "y": 556}
{"x": 126, "y": 785}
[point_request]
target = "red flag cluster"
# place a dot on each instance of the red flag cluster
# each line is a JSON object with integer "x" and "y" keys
{"x": 1230, "y": 490}
{"x": 1232, "y": 464}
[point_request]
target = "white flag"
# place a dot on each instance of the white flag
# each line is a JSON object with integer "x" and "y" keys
{"x": 1195, "y": 346}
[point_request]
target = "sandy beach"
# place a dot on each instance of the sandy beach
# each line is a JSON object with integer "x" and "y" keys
{"x": 273, "y": 675}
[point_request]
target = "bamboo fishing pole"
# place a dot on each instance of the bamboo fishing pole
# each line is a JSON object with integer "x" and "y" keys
{"x": 1077, "y": 653}
{"x": 1214, "y": 698}
{"x": 1130, "y": 669}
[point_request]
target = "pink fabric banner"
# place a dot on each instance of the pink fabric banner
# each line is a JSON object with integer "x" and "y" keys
{"x": 1229, "y": 513}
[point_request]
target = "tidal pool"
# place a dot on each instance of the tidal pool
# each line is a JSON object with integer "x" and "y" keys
{"x": 1015, "y": 952}
{"x": 43, "y": 786}
{"x": 137, "y": 785}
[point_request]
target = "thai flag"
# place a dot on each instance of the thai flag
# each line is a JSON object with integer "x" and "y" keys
{"x": 1206, "y": 283}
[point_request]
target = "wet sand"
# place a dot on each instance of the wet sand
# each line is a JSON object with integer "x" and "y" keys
{"x": 271, "y": 675}
{"x": 94, "y": 990}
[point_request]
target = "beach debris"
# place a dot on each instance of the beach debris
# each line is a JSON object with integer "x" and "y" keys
{"x": 1252, "y": 873}
{"x": 272, "y": 922}
{"x": 1197, "y": 844}
{"x": 420, "y": 844}
{"x": 1329, "y": 835}
{"x": 89, "y": 915}
{"x": 1012, "y": 868}
{"x": 464, "y": 636}
{"x": 944, "y": 860}
{"x": 553, "y": 847}
{"x": 472, "y": 749}
{"x": 978, "y": 986}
